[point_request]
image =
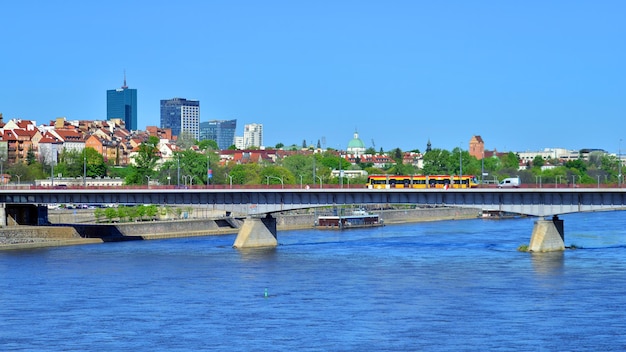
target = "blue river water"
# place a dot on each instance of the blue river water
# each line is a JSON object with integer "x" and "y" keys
{"x": 437, "y": 286}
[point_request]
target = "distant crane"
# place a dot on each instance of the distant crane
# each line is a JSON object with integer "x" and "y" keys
{"x": 373, "y": 144}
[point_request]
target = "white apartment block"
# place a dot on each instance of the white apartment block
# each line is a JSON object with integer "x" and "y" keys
{"x": 252, "y": 135}
{"x": 549, "y": 153}
{"x": 190, "y": 120}
{"x": 239, "y": 142}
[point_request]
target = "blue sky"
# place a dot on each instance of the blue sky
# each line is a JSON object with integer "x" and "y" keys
{"x": 524, "y": 75}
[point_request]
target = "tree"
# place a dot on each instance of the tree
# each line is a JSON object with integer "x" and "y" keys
{"x": 246, "y": 174}
{"x": 195, "y": 165}
{"x": 577, "y": 165}
{"x": 30, "y": 157}
{"x": 98, "y": 213}
{"x": 397, "y": 155}
{"x": 538, "y": 161}
{"x": 185, "y": 140}
{"x": 273, "y": 175}
{"x": 24, "y": 171}
{"x": 110, "y": 213}
{"x": 437, "y": 162}
{"x": 208, "y": 144}
{"x": 70, "y": 163}
{"x": 332, "y": 161}
{"x": 595, "y": 159}
{"x": 151, "y": 211}
{"x": 145, "y": 162}
{"x": 73, "y": 163}
{"x": 402, "y": 169}
{"x": 510, "y": 161}
{"x": 141, "y": 211}
{"x": 300, "y": 165}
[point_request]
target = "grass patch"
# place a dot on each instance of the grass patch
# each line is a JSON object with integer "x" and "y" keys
{"x": 523, "y": 248}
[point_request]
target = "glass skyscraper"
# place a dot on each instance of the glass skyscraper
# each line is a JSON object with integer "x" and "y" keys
{"x": 122, "y": 104}
{"x": 181, "y": 115}
{"x": 220, "y": 131}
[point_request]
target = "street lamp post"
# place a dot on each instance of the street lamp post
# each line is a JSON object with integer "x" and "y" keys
{"x": 619, "y": 165}
{"x": 178, "y": 170}
{"x": 148, "y": 177}
{"x": 482, "y": 169}
{"x": 320, "y": 178}
{"x": 460, "y": 166}
{"x": 275, "y": 177}
{"x": 84, "y": 169}
{"x": 231, "y": 180}
{"x": 558, "y": 177}
{"x": 300, "y": 181}
{"x": 340, "y": 173}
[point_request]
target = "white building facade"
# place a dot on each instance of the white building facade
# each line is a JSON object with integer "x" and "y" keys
{"x": 252, "y": 135}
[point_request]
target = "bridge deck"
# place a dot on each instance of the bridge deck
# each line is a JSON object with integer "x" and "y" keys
{"x": 537, "y": 202}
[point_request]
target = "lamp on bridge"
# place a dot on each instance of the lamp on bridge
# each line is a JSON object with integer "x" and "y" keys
{"x": 275, "y": 177}
{"x": 320, "y": 178}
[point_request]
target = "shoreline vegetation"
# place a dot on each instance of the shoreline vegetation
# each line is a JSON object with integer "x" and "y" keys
{"x": 197, "y": 222}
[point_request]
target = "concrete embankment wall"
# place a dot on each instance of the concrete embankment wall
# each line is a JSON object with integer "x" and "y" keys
{"x": 37, "y": 236}
{"x": 397, "y": 216}
{"x": 156, "y": 229}
{"x": 390, "y": 216}
{"x": 23, "y": 237}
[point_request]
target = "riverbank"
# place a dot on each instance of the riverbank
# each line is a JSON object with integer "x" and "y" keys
{"x": 73, "y": 227}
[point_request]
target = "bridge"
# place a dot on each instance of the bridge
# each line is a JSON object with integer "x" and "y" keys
{"x": 259, "y": 228}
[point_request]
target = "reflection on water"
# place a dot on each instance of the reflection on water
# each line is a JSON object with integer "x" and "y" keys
{"x": 257, "y": 253}
{"x": 548, "y": 263}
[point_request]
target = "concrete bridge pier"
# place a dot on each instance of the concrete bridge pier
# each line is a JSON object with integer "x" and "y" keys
{"x": 257, "y": 232}
{"x": 547, "y": 236}
{"x": 3, "y": 215}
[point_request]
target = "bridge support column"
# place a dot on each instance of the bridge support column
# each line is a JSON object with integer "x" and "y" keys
{"x": 548, "y": 236}
{"x": 3, "y": 215}
{"x": 257, "y": 232}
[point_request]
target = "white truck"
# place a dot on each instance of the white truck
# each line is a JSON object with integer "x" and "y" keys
{"x": 511, "y": 182}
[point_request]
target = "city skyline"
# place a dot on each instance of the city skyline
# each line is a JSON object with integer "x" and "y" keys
{"x": 523, "y": 76}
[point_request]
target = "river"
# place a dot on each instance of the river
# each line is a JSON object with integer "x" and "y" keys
{"x": 456, "y": 285}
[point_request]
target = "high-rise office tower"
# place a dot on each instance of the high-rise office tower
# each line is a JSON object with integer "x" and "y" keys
{"x": 252, "y": 135}
{"x": 181, "y": 115}
{"x": 122, "y": 104}
{"x": 220, "y": 131}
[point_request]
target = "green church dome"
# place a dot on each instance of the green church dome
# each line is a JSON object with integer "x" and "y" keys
{"x": 356, "y": 145}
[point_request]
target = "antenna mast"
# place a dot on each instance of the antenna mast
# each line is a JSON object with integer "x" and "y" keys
{"x": 124, "y": 86}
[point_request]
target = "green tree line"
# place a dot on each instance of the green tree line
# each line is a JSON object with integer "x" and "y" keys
{"x": 189, "y": 167}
